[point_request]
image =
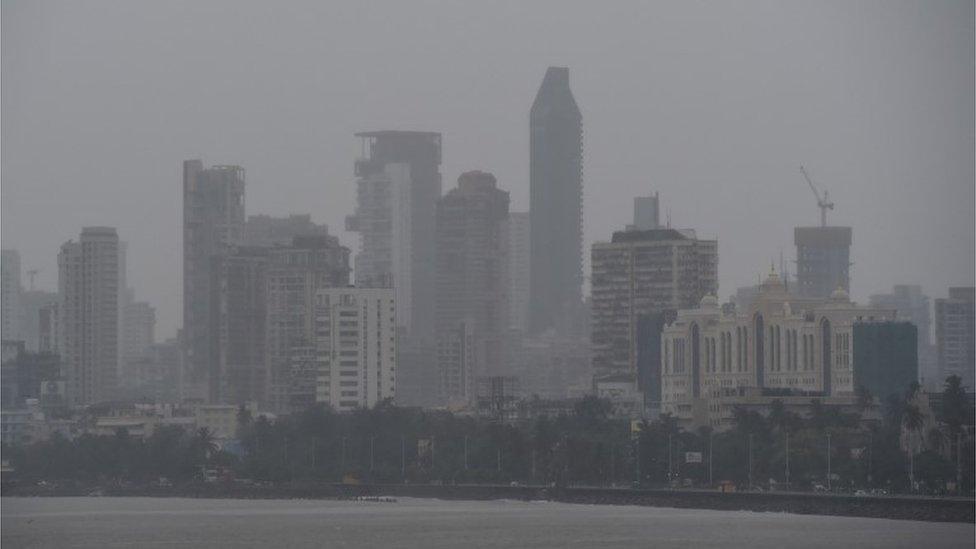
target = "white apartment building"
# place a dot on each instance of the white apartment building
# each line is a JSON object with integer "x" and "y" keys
{"x": 355, "y": 332}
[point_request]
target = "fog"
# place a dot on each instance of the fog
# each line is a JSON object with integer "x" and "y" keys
{"x": 714, "y": 105}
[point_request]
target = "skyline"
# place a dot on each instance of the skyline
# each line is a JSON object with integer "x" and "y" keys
{"x": 865, "y": 112}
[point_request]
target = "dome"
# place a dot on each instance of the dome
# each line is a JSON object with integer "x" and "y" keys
{"x": 772, "y": 284}
{"x": 709, "y": 302}
{"x": 840, "y": 295}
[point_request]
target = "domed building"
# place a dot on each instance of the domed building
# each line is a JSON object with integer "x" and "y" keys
{"x": 782, "y": 346}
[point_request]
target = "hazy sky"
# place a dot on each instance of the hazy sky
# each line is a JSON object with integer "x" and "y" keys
{"x": 713, "y": 104}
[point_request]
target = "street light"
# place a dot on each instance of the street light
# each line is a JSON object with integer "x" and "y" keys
{"x": 787, "y": 458}
{"x": 828, "y": 462}
{"x": 750, "y": 462}
{"x": 711, "y": 436}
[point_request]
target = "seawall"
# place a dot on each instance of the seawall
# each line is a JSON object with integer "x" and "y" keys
{"x": 888, "y": 507}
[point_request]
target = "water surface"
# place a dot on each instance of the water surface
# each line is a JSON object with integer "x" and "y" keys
{"x": 429, "y": 523}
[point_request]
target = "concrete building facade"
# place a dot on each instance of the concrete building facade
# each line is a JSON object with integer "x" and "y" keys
{"x": 519, "y": 270}
{"x": 398, "y": 185}
{"x": 88, "y": 282}
{"x": 213, "y": 221}
{"x": 31, "y": 304}
{"x": 639, "y": 274}
{"x": 10, "y": 290}
{"x": 647, "y": 214}
{"x": 885, "y": 356}
{"x": 138, "y": 336}
{"x": 472, "y": 276}
{"x": 355, "y": 347}
{"x": 266, "y": 230}
{"x": 954, "y": 335}
{"x": 556, "y": 201}
{"x": 295, "y": 273}
{"x": 823, "y": 260}
{"x": 913, "y": 306}
{"x": 238, "y": 326}
{"x": 713, "y": 361}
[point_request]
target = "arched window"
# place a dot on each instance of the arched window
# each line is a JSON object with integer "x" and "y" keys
{"x": 793, "y": 353}
{"x": 738, "y": 348}
{"x": 745, "y": 349}
{"x": 712, "y": 343}
{"x": 788, "y": 349}
{"x": 667, "y": 356}
{"x": 805, "y": 358}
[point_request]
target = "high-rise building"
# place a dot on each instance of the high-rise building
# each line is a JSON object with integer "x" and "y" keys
{"x": 646, "y": 213}
{"x": 138, "y": 337}
{"x": 398, "y": 184}
{"x": 88, "y": 282}
{"x": 885, "y": 357}
{"x": 472, "y": 270}
{"x": 457, "y": 363}
{"x": 10, "y": 290}
{"x": 556, "y": 201}
{"x": 31, "y": 304}
{"x": 49, "y": 328}
{"x": 294, "y": 274}
{"x": 912, "y": 305}
{"x": 239, "y": 318}
{"x": 24, "y": 375}
{"x": 954, "y": 333}
{"x": 640, "y": 274}
{"x": 519, "y": 270}
{"x": 823, "y": 260}
{"x": 266, "y": 230}
{"x": 213, "y": 220}
{"x": 355, "y": 347}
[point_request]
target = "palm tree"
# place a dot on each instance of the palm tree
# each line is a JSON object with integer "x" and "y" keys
{"x": 864, "y": 398}
{"x": 936, "y": 439}
{"x": 954, "y": 404}
{"x": 206, "y": 442}
{"x": 912, "y": 418}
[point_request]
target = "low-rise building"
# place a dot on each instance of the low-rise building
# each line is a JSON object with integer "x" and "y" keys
{"x": 783, "y": 344}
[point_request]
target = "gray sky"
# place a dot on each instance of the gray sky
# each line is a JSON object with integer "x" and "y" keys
{"x": 712, "y": 104}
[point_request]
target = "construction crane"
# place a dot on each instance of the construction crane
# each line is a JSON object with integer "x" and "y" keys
{"x": 823, "y": 203}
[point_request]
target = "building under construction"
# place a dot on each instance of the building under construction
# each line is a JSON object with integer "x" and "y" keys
{"x": 823, "y": 259}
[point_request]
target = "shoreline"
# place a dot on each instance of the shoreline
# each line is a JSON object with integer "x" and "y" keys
{"x": 918, "y": 508}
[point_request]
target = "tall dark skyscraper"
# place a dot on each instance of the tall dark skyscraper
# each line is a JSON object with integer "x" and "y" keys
{"x": 213, "y": 220}
{"x": 556, "y": 200}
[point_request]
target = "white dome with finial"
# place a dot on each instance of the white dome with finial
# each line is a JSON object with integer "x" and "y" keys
{"x": 709, "y": 302}
{"x": 840, "y": 296}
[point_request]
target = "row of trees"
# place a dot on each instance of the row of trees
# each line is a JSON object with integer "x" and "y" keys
{"x": 589, "y": 446}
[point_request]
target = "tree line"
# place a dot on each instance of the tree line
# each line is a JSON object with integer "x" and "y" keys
{"x": 823, "y": 448}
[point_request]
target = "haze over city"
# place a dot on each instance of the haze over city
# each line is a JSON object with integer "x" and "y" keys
{"x": 488, "y": 274}
{"x": 713, "y": 106}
